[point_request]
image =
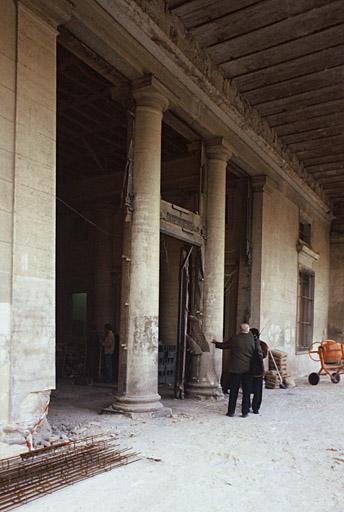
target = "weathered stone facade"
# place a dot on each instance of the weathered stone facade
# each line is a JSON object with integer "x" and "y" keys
{"x": 165, "y": 74}
{"x": 28, "y": 226}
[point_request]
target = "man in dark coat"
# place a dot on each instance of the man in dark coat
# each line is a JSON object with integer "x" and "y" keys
{"x": 258, "y": 373}
{"x": 242, "y": 351}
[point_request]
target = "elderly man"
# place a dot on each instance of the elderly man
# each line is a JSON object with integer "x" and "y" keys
{"x": 242, "y": 348}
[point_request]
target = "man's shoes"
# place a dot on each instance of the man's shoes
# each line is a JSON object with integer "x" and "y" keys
{"x": 244, "y": 415}
{"x": 255, "y": 412}
{"x": 230, "y": 414}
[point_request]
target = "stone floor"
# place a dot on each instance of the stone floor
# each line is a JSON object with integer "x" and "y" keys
{"x": 289, "y": 458}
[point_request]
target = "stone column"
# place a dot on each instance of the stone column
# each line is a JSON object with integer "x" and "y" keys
{"x": 138, "y": 386}
{"x": 208, "y": 382}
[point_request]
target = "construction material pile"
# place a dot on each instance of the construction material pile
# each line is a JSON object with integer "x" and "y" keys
{"x": 279, "y": 359}
{"x": 272, "y": 380}
{"x": 31, "y": 475}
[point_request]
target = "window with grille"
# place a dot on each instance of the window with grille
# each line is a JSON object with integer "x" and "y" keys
{"x": 305, "y": 232}
{"x": 305, "y": 310}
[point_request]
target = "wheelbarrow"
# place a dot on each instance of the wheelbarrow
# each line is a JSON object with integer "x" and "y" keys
{"x": 330, "y": 354}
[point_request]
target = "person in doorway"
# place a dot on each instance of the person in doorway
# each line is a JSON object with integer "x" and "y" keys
{"x": 109, "y": 347}
{"x": 257, "y": 370}
{"x": 242, "y": 349}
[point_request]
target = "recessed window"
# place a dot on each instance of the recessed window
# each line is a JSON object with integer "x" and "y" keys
{"x": 305, "y": 310}
{"x": 305, "y": 232}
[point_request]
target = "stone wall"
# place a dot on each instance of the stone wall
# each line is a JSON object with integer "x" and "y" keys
{"x": 237, "y": 268}
{"x": 279, "y": 275}
{"x": 7, "y": 131}
{"x": 28, "y": 125}
{"x": 336, "y": 310}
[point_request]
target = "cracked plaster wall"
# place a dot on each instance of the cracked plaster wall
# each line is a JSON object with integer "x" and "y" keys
{"x": 27, "y": 209}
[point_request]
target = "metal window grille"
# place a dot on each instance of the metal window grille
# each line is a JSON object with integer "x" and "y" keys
{"x": 305, "y": 309}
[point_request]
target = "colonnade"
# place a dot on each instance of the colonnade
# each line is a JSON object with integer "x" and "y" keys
{"x": 138, "y": 385}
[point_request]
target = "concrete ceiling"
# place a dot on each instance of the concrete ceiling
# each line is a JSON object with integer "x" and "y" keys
{"x": 287, "y": 59}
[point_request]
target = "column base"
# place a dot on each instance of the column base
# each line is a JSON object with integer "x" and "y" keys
{"x": 136, "y": 404}
{"x": 204, "y": 391}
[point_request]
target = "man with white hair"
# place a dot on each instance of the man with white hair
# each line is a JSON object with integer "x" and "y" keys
{"x": 242, "y": 348}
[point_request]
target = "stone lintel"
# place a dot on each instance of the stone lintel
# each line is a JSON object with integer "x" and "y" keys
{"x": 303, "y": 249}
{"x": 182, "y": 128}
{"x": 53, "y": 12}
{"x": 148, "y": 91}
{"x": 263, "y": 183}
{"x": 219, "y": 149}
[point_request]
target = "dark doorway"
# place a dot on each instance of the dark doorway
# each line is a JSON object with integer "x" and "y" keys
{"x": 91, "y": 161}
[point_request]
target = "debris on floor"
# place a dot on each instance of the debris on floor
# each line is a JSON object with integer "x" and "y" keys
{"x": 208, "y": 459}
{"x": 29, "y": 476}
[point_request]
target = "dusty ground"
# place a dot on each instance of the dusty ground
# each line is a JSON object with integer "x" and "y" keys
{"x": 289, "y": 458}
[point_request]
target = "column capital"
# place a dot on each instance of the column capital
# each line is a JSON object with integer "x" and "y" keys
{"x": 149, "y": 92}
{"x": 219, "y": 149}
{"x": 53, "y": 12}
{"x": 263, "y": 183}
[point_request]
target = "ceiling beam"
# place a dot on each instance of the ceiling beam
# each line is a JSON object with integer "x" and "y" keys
{"x": 263, "y": 59}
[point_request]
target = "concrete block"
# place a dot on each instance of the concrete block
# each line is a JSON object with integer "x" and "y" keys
{"x": 7, "y": 76}
{"x": 36, "y": 176}
{"x": 36, "y": 205}
{"x": 6, "y": 165}
{"x": 33, "y": 306}
{"x": 36, "y": 54}
{"x": 7, "y": 103}
{"x": 8, "y": 28}
{"x": 34, "y": 233}
{"x": 37, "y": 118}
{"x": 35, "y": 31}
{"x": 6, "y": 196}
{"x": 5, "y": 257}
{"x": 5, "y": 318}
{"x": 34, "y": 262}
{"x": 33, "y": 405}
{"x": 33, "y": 333}
{"x": 5, "y": 226}
{"x": 6, "y": 134}
{"x": 4, "y": 397}
{"x": 35, "y": 146}
{"x": 39, "y": 88}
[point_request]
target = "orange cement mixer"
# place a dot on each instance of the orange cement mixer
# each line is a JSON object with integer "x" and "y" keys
{"x": 330, "y": 354}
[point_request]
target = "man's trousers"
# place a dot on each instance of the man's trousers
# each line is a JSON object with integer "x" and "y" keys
{"x": 257, "y": 390}
{"x": 235, "y": 381}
